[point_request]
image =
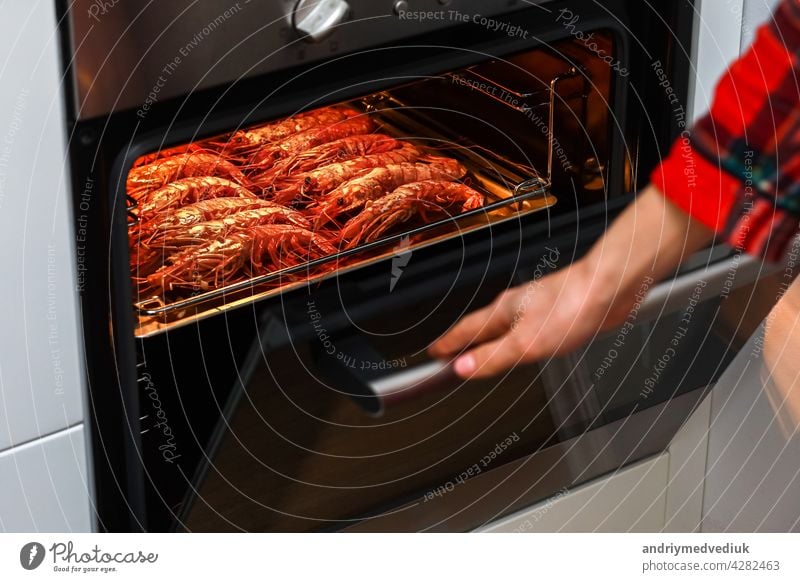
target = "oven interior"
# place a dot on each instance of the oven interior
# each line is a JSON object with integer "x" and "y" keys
{"x": 525, "y": 126}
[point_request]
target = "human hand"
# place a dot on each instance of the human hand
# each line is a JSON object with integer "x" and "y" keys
{"x": 548, "y": 317}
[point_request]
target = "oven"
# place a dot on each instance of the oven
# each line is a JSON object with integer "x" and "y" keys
{"x": 298, "y": 396}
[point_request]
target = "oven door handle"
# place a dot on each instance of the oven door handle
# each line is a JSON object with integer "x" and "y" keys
{"x": 354, "y": 368}
{"x": 357, "y": 369}
{"x": 717, "y": 279}
{"x": 435, "y": 375}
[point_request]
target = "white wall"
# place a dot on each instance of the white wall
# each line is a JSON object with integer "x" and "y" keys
{"x": 755, "y": 12}
{"x": 724, "y": 29}
{"x": 41, "y": 373}
{"x": 717, "y": 30}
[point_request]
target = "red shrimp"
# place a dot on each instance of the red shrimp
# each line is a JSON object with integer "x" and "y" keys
{"x": 245, "y": 141}
{"x": 303, "y": 122}
{"x": 427, "y": 199}
{"x": 203, "y": 268}
{"x": 201, "y": 232}
{"x": 241, "y": 254}
{"x": 353, "y": 194}
{"x": 166, "y": 153}
{"x": 309, "y": 185}
{"x": 346, "y": 148}
{"x": 266, "y": 157}
{"x": 203, "y": 211}
{"x": 277, "y": 246}
{"x": 145, "y": 179}
{"x": 187, "y": 191}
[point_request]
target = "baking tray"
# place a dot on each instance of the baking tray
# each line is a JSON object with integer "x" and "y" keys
{"x": 511, "y": 192}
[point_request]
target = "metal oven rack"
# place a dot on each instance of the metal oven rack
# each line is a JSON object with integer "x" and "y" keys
{"x": 512, "y": 192}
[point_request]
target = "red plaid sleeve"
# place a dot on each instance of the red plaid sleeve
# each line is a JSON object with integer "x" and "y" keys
{"x": 738, "y": 170}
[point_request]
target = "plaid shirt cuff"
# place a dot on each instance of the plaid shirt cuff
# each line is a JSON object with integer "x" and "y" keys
{"x": 696, "y": 186}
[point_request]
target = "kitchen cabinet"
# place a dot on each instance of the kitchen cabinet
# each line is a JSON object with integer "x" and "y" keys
{"x": 45, "y": 485}
{"x": 41, "y": 374}
{"x": 633, "y": 499}
{"x": 662, "y": 493}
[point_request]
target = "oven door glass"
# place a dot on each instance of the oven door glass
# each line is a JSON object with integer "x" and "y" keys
{"x": 302, "y": 450}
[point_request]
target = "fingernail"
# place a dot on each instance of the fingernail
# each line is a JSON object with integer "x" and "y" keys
{"x": 464, "y": 366}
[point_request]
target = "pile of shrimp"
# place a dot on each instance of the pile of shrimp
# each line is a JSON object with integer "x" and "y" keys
{"x": 256, "y": 201}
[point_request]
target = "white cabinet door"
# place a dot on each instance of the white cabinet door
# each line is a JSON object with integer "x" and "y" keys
{"x": 41, "y": 378}
{"x": 43, "y": 485}
{"x": 687, "y": 468}
{"x": 752, "y": 482}
{"x": 632, "y": 499}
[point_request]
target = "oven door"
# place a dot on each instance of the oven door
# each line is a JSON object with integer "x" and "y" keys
{"x": 616, "y": 402}
{"x": 308, "y": 445}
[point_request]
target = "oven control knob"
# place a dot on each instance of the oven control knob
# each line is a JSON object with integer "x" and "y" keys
{"x": 316, "y": 19}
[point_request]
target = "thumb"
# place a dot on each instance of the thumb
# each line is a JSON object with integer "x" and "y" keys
{"x": 491, "y": 358}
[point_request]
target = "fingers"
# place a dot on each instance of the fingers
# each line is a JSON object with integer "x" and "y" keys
{"x": 479, "y": 326}
{"x": 491, "y": 358}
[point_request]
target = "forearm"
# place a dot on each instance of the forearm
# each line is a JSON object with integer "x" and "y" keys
{"x": 736, "y": 170}
{"x": 649, "y": 239}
